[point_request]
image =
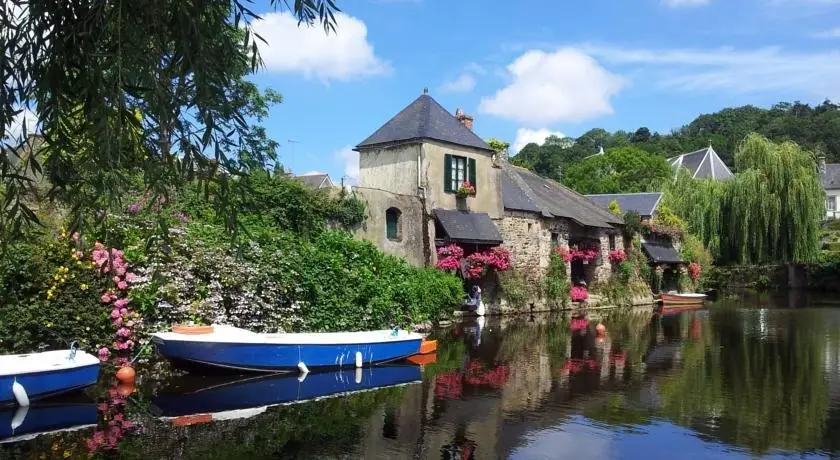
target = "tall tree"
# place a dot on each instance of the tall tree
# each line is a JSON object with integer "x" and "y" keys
{"x": 620, "y": 170}
{"x": 771, "y": 211}
{"x": 179, "y": 65}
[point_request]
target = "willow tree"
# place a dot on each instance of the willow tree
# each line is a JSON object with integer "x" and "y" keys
{"x": 771, "y": 211}
{"x": 179, "y": 64}
{"x": 698, "y": 203}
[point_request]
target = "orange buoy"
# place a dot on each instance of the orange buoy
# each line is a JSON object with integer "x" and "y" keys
{"x": 125, "y": 389}
{"x": 126, "y": 374}
{"x": 600, "y": 329}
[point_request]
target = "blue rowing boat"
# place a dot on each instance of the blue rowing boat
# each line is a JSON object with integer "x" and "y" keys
{"x": 234, "y": 348}
{"x": 224, "y": 398}
{"x": 22, "y": 423}
{"x": 39, "y": 375}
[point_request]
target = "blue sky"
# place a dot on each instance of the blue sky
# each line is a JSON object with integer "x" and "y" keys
{"x": 528, "y": 68}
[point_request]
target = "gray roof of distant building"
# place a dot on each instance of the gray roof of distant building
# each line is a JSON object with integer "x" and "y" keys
{"x": 424, "y": 119}
{"x": 831, "y": 176}
{"x": 702, "y": 164}
{"x": 643, "y": 203}
{"x": 315, "y": 180}
{"x": 522, "y": 190}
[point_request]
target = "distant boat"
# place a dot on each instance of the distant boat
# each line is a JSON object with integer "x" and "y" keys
{"x": 39, "y": 375}
{"x": 24, "y": 423}
{"x": 682, "y": 299}
{"x": 233, "y": 348}
{"x": 192, "y": 399}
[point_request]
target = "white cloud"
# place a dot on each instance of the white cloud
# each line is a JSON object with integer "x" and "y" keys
{"x": 462, "y": 84}
{"x": 686, "y": 3}
{"x": 349, "y": 160}
{"x": 525, "y": 136}
{"x": 345, "y": 54}
{"x": 830, "y": 33}
{"x": 728, "y": 69}
{"x": 475, "y": 68}
{"x": 563, "y": 86}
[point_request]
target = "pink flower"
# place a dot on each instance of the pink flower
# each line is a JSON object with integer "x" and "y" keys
{"x": 117, "y": 321}
{"x": 129, "y": 344}
{"x": 123, "y": 332}
{"x": 106, "y": 298}
{"x": 104, "y": 353}
{"x": 115, "y": 313}
{"x": 122, "y": 285}
{"x": 579, "y": 294}
{"x": 130, "y": 277}
{"x": 121, "y": 303}
{"x": 117, "y": 280}
{"x": 102, "y": 407}
{"x": 123, "y": 311}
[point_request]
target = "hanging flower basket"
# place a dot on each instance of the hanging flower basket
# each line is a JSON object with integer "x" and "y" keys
{"x": 466, "y": 189}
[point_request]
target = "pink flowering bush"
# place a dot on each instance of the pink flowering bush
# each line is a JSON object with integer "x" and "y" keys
{"x": 694, "y": 271}
{"x": 477, "y": 264}
{"x": 618, "y": 256}
{"x": 587, "y": 255}
{"x": 579, "y": 293}
{"x": 564, "y": 253}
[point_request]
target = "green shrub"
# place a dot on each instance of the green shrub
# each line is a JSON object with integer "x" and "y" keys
{"x": 557, "y": 282}
{"x": 514, "y": 289}
{"x": 48, "y": 299}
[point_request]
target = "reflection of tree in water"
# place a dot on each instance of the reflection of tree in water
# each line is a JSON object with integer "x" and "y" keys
{"x": 758, "y": 392}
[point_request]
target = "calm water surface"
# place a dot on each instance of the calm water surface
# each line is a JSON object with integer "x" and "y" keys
{"x": 739, "y": 379}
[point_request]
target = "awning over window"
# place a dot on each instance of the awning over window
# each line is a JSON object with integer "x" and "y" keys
{"x": 468, "y": 227}
{"x": 661, "y": 253}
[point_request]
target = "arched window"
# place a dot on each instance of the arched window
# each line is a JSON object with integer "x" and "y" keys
{"x": 393, "y": 225}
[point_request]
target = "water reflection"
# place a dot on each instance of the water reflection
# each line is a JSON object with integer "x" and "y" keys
{"x": 727, "y": 381}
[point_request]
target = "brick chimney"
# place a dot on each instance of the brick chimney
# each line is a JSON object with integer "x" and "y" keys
{"x": 466, "y": 120}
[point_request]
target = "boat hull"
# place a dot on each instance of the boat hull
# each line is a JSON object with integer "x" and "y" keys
{"x": 37, "y": 419}
{"x": 214, "y": 396}
{"x": 678, "y": 299}
{"x": 272, "y": 357}
{"x": 39, "y": 385}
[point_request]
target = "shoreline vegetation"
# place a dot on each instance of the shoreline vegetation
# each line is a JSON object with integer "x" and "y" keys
{"x": 292, "y": 268}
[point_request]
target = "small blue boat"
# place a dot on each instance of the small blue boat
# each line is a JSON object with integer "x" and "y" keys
{"x": 22, "y": 423}
{"x": 234, "y": 348}
{"x": 39, "y": 375}
{"x": 225, "y": 398}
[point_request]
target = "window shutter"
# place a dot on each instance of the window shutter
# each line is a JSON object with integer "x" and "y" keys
{"x": 447, "y": 173}
{"x": 471, "y": 172}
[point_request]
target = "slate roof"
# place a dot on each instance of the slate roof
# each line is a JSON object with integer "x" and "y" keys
{"x": 702, "y": 164}
{"x": 643, "y": 203}
{"x": 522, "y": 190}
{"x": 468, "y": 227}
{"x": 661, "y": 253}
{"x": 315, "y": 180}
{"x": 424, "y": 119}
{"x": 831, "y": 176}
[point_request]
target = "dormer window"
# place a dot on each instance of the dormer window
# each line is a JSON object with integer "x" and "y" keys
{"x": 456, "y": 170}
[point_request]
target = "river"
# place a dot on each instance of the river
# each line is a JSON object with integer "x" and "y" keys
{"x": 750, "y": 377}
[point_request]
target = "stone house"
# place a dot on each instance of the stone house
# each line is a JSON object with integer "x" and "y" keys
{"x": 830, "y": 177}
{"x": 411, "y": 168}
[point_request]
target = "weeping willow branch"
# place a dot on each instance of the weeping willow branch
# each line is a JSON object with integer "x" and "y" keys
{"x": 770, "y": 211}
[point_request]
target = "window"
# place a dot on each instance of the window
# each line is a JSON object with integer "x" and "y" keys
{"x": 831, "y": 203}
{"x": 612, "y": 242}
{"x": 555, "y": 239}
{"x": 456, "y": 170}
{"x": 392, "y": 224}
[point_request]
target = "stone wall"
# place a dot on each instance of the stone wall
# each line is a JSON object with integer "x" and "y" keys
{"x": 528, "y": 239}
{"x": 602, "y": 271}
{"x": 411, "y": 243}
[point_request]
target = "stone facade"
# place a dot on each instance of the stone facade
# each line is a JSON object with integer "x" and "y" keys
{"x": 410, "y": 242}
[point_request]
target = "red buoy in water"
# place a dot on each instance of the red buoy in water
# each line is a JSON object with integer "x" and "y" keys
{"x": 600, "y": 329}
{"x": 126, "y": 374}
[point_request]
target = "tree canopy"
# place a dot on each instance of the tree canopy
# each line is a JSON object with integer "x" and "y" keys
{"x": 619, "y": 170}
{"x": 812, "y": 127}
{"x": 172, "y": 70}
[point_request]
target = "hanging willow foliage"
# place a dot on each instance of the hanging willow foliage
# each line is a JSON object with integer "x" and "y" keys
{"x": 771, "y": 212}
{"x": 697, "y": 202}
